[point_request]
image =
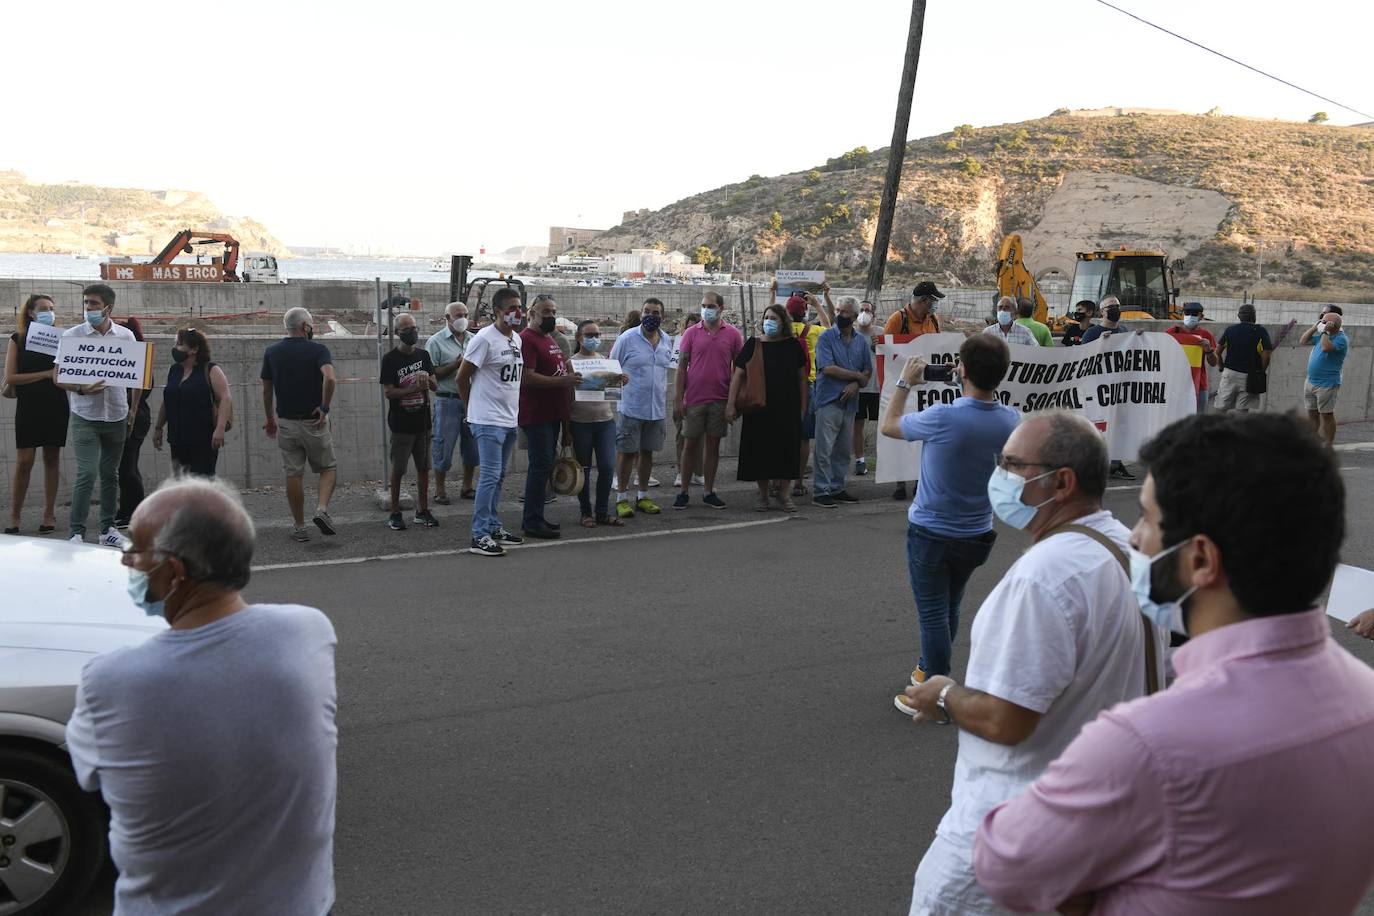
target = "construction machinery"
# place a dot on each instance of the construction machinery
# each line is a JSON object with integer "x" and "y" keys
{"x": 220, "y": 268}
{"x": 460, "y": 288}
{"x": 1143, "y": 280}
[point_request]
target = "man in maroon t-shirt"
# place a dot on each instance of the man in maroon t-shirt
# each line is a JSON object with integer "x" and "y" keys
{"x": 546, "y": 392}
{"x": 1191, "y": 335}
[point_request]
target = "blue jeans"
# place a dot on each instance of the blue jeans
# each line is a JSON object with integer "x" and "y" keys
{"x": 940, "y": 568}
{"x": 541, "y": 440}
{"x": 598, "y": 438}
{"x": 494, "y": 445}
{"x": 834, "y": 442}
{"x": 451, "y": 430}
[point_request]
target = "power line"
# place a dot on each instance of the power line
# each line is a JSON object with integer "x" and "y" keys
{"x": 1277, "y": 79}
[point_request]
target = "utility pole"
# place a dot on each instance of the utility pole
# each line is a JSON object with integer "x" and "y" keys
{"x": 877, "y": 263}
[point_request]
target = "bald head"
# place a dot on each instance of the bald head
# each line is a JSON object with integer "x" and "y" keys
{"x": 1059, "y": 439}
{"x": 203, "y": 522}
{"x": 403, "y": 321}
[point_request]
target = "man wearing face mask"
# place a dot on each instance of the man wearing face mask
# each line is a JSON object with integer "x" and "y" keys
{"x": 916, "y": 318}
{"x": 1059, "y": 639}
{"x": 214, "y": 742}
{"x": 102, "y": 417}
{"x": 1111, "y": 324}
{"x": 489, "y": 384}
{"x": 450, "y": 424}
{"x": 644, "y": 353}
{"x": 1238, "y": 789}
{"x": 843, "y": 365}
{"x": 1244, "y": 348}
{"x": 298, "y": 373}
{"x": 706, "y": 361}
{"x": 1006, "y": 326}
{"x": 868, "y": 394}
{"x": 1323, "y": 383}
{"x": 546, "y": 393}
{"x": 407, "y": 379}
{"x": 1200, "y": 346}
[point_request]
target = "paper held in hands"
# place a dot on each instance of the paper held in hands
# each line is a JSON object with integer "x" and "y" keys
{"x": 1352, "y": 592}
{"x": 600, "y": 379}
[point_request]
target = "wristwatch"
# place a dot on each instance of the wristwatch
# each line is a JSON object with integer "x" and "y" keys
{"x": 903, "y": 384}
{"x": 940, "y": 702}
{"x": 324, "y": 408}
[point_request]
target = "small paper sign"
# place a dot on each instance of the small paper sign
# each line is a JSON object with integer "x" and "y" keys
{"x": 116, "y": 361}
{"x": 42, "y": 338}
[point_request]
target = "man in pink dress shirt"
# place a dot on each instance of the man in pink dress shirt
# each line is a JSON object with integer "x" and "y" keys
{"x": 1238, "y": 789}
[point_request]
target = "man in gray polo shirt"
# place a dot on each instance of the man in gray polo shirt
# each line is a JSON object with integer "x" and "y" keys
{"x": 213, "y": 743}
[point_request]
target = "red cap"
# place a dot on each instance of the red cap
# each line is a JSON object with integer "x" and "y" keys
{"x": 796, "y": 307}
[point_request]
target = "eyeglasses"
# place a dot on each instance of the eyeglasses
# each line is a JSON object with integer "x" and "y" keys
{"x": 1010, "y": 464}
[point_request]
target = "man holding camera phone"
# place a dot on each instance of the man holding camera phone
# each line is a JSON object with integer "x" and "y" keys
{"x": 949, "y": 525}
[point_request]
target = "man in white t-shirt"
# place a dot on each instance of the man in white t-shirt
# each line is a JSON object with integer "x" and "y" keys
{"x": 489, "y": 384}
{"x": 1060, "y": 639}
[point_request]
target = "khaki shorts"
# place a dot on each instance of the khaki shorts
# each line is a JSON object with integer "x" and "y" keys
{"x": 705, "y": 420}
{"x": 405, "y": 446}
{"x": 1319, "y": 400}
{"x": 1231, "y": 393}
{"x": 300, "y": 442}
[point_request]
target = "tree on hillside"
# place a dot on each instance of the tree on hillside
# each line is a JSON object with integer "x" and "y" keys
{"x": 1320, "y": 117}
{"x": 659, "y": 246}
{"x": 702, "y": 255}
{"x": 775, "y": 221}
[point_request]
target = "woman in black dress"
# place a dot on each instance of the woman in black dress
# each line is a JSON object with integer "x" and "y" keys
{"x": 769, "y": 447}
{"x": 196, "y": 407}
{"x": 40, "y": 413}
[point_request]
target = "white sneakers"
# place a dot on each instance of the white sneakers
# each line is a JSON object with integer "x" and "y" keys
{"x": 112, "y": 538}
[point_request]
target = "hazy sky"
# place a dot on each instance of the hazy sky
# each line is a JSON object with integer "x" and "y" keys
{"x": 429, "y": 127}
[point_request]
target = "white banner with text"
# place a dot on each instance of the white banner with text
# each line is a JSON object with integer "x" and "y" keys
{"x": 117, "y": 362}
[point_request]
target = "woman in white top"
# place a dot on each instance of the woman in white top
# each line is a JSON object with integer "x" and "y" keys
{"x": 593, "y": 433}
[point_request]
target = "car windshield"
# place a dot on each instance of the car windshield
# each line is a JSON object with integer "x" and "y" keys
{"x": 1090, "y": 280}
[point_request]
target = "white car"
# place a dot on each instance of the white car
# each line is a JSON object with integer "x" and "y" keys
{"x": 60, "y": 605}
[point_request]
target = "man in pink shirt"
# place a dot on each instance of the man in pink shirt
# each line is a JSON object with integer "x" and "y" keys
{"x": 706, "y": 359}
{"x": 1238, "y": 789}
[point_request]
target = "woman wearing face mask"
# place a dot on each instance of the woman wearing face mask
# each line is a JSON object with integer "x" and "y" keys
{"x": 593, "y": 434}
{"x": 40, "y": 413}
{"x": 769, "y": 445}
{"x": 196, "y": 406}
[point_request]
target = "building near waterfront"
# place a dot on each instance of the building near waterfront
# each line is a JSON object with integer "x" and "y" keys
{"x": 564, "y": 239}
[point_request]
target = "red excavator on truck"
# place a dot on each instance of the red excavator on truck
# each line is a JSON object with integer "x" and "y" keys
{"x": 220, "y": 268}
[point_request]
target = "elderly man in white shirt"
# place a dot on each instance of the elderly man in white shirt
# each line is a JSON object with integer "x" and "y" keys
{"x": 1006, "y": 326}
{"x": 1060, "y": 639}
{"x": 101, "y": 417}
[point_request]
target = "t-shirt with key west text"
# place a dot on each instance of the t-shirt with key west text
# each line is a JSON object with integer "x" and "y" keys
{"x": 408, "y": 414}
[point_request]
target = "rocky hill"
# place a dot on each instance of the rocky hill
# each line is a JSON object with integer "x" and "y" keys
{"x": 131, "y": 221}
{"x": 1276, "y": 208}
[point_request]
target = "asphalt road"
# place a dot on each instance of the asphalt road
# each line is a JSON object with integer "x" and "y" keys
{"x": 699, "y": 722}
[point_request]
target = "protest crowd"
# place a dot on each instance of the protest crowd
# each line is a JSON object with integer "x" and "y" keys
{"x": 1152, "y": 719}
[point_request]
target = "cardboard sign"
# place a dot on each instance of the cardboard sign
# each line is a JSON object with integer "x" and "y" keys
{"x": 600, "y": 379}
{"x": 116, "y": 361}
{"x": 797, "y": 281}
{"x": 42, "y": 338}
{"x": 1130, "y": 386}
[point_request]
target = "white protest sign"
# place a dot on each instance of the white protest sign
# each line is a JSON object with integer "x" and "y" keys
{"x": 600, "y": 379}
{"x": 42, "y": 338}
{"x": 117, "y": 362}
{"x": 1352, "y": 592}
{"x": 797, "y": 281}
{"x": 1130, "y": 386}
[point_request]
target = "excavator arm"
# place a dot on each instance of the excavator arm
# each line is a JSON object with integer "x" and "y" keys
{"x": 184, "y": 242}
{"x": 1013, "y": 279}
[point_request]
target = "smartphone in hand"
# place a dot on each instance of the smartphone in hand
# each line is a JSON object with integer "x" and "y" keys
{"x": 940, "y": 373}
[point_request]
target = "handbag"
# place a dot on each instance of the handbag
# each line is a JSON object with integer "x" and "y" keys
{"x": 753, "y": 394}
{"x": 567, "y": 474}
{"x": 1256, "y": 381}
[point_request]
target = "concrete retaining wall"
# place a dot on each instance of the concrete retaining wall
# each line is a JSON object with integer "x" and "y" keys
{"x": 250, "y": 459}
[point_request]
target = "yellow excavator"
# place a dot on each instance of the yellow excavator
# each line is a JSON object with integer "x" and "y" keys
{"x": 1142, "y": 279}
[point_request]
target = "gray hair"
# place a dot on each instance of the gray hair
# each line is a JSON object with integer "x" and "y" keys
{"x": 1008, "y": 301}
{"x": 209, "y": 530}
{"x": 448, "y": 309}
{"x": 1108, "y": 302}
{"x": 850, "y": 301}
{"x": 1074, "y": 443}
{"x": 404, "y": 316}
{"x": 296, "y": 318}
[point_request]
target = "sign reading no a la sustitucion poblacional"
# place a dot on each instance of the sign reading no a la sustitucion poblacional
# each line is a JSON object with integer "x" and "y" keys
{"x": 117, "y": 362}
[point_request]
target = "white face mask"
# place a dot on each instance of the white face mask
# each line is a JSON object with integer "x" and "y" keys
{"x": 459, "y": 325}
{"x": 1321, "y": 327}
{"x": 1191, "y": 321}
{"x": 864, "y": 319}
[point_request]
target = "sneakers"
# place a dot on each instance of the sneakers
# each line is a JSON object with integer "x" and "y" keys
{"x": 301, "y": 534}
{"x": 918, "y": 677}
{"x": 1120, "y": 472}
{"x": 324, "y": 522}
{"x": 121, "y": 523}
{"x": 824, "y": 500}
{"x": 843, "y": 497}
{"x": 899, "y": 493}
{"x": 677, "y": 481}
{"x": 396, "y": 523}
{"x": 77, "y": 539}
{"x": 904, "y": 705}
{"x": 486, "y": 547}
{"x": 426, "y": 519}
{"x": 681, "y": 501}
{"x": 623, "y": 509}
{"x": 653, "y": 481}
{"x": 646, "y": 505}
{"x": 112, "y": 538}
{"x": 548, "y": 498}
{"x": 714, "y": 501}
{"x": 502, "y": 536}
{"x": 860, "y": 467}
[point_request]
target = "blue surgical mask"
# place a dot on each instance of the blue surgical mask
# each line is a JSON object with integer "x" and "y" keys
{"x": 1004, "y": 492}
{"x": 1004, "y": 318}
{"x": 1191, "y": 321}
{"x": 770, "y": 326}
{"x": 591, "y": 343}
{"x": 95, "y": 319}
{"x": 138, "y": 593}
{"x": 709, "y": 315}
{"x": 1166, "y": 614}
{"x": 43, "y": 317}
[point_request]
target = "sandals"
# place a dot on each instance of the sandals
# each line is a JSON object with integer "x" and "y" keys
{"x": 761, "y": 505}
{"x": 798, "y": 489}
{"x": 442, "y": 500}
{"x": 588, "y": 522}
{"x": 610, "y": 520}
{"x": 785, "y": 504}
{"x": 47, "y": 529}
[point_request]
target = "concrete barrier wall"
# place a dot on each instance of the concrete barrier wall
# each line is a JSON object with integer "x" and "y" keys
{"x": 250, "y": 459}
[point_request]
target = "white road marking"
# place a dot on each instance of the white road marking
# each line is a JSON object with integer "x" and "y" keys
{"x": 425, "y": 554}
{"x": 1354, "y": 447}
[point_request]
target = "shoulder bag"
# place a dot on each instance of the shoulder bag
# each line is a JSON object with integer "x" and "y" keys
{"x": 753, "y": 393}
